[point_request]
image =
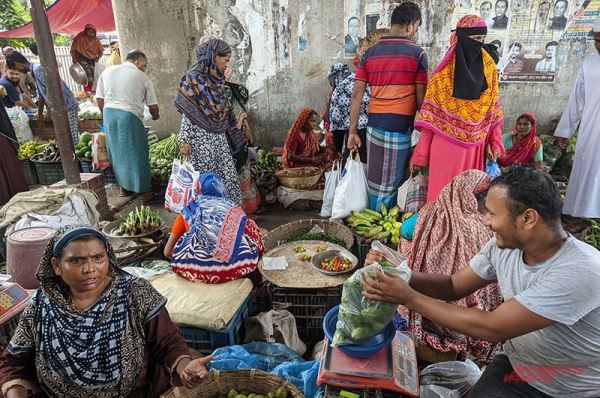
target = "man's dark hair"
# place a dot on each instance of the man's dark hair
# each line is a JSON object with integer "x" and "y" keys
{"x": 406, "y": 13}
{"x": 551, "y": 43}
{"x": 564, "y": 1}
{"x": 530, "y": 188}
{"x": 33, "y": 48}
{"x": 15, "y": 58}
{"x": 351, "y": 18}
{"x": 502, "y": 1}
{"x": 135, "y": 55}
{"x": 516, "y": 44}
{"x": 484, "y": 3}
{"x": 496, "y": 42}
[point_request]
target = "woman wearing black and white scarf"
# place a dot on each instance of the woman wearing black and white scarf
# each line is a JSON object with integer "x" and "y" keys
{"x": 92, "y": 330}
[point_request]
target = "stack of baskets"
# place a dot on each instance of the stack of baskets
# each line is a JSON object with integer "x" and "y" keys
{"x": 219, "y": 383}
{"x": 300, "y": 177}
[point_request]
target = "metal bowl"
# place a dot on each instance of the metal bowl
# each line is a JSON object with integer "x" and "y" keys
{"x": 317, "y": 258}
{"x": 78, "y": 74}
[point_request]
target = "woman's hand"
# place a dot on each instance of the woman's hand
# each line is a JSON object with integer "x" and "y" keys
{"x": 194, "y": 371}
{"x": 413, "y": 168}
{"x": 373, "y": 256}
{"x": 243, "y": 116}
{"x": 185, "y": 149}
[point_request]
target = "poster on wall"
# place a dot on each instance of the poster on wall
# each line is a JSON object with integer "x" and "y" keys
{"x": 581, "y": 23}
{"x": 354, "y": 24}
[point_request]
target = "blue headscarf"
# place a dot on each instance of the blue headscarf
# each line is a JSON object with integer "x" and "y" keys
{"x": 212, "y": 185}
{"x": 201, "y": 96}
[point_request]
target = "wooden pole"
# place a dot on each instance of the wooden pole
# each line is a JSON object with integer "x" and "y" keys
{"x": 43, "y": 37}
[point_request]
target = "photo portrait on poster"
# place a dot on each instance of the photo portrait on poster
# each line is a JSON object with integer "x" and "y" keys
{"x": 527, "y": 64}
{"x": 352, "y": 40}
{"x": 500, "y": 20}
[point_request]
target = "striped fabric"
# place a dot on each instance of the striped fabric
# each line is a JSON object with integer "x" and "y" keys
{"x": 73, "y": 115}
{"x": 392, "y": 68}
{"x": 387, "y": 154}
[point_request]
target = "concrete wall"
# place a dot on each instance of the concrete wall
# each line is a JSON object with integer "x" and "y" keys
{"x": 283, "y": 79}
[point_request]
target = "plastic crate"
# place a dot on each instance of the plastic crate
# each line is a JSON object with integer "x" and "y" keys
{"x": 309, "y": 307}
{"x": 49, "y": 172}
{"x": 29, "y": 172}
{"x": 206, "y": 341}
{"x": 86, "y": 167}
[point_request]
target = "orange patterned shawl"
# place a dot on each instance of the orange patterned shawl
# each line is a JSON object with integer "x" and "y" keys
{"x": 465, "y": 122}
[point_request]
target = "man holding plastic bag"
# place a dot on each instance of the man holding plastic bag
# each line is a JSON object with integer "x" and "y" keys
{"x": 550, "y": 319}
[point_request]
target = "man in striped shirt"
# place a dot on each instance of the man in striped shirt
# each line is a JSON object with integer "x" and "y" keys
{"x": 396, "y": 71}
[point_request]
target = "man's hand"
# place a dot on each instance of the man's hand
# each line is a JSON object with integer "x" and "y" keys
{"x": 194, "y": 371}
{"x": 373, "y": 256}
{"x": 354, "y": 141}
{"x": 243, "y": 116}
{"x": 562, "y": 142}
{"x": 413, "y": 168}
{"x": 389, "y": 288}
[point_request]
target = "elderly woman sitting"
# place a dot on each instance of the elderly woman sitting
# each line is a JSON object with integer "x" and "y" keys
{"x": 523, "y": 146}
{"x": 213, "y": 240}
{"x": 92, "y": 330}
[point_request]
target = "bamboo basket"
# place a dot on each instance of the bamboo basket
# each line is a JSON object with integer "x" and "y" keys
{"x": 287, "y": 231}
{"x": 221, "y": 382}
{"x": 299, "y": 177}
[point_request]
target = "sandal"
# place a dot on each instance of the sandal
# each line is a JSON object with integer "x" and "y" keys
{"x": 124, "y": 193}
{"x": 147, "y": 198}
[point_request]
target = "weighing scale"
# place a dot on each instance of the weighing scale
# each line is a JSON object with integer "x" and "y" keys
{"x": 393, "y": 368}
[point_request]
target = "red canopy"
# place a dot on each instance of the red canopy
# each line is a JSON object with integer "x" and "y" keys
{"x": 70, "y": 17}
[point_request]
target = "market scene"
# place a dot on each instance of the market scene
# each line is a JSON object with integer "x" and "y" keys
{"x": 320, "y": 198}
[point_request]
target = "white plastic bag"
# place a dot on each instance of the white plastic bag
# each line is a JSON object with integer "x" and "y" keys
{"x": 184, "y": 185}
{"x": 331, "y": 181}
{"x": 20, "y": 122}
{"x": 352, "y": 193}
{"x": 412, "y": 194}
{"x": 454, "y": 375}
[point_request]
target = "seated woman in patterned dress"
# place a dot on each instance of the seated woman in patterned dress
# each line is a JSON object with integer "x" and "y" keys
{"x": 213, "y": 240}
{"x": 302, "y": 147}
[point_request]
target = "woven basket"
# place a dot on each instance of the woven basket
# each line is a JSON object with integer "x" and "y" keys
{"x": 221, "y": 382}
{"x": 299, "y": 177}
{"x": 287, "y": 231}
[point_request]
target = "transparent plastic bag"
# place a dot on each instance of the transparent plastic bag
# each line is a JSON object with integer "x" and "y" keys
{"x": 453, "y": 375}
{"x": 437, "y": 392}
{"x": 359, "y": 318}
{"x": 493, "y": 169}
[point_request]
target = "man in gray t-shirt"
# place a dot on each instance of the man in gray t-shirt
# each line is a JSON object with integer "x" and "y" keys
{"x": 550, "y": 319}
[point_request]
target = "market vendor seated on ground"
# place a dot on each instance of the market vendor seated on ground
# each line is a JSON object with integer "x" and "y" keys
{"x": 301, "y": 147}
{"x": 550, "y": 319}
{"x": 448, "y": 233}
{"x": 92, "y": 330}
{"x": 523, "y": 146}
{"x": 213, "y": 240}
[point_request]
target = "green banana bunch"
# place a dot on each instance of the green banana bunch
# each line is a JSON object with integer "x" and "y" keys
{"x": 383, "y": 225}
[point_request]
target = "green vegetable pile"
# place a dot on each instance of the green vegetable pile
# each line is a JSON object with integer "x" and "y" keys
{"x": 140, "y": 220}
{"x": 322, "y": 236}
{"x": 90, "y": 115}
{"x": 593, "y": 238}
{"x": 84, "y": 148}
{"x": 280, "y": 393}
{"x": 268, "y": 161}
{"x": 162, "y": 155}
{"x": 360, "y": 318}
{"x": 29, "y": 148}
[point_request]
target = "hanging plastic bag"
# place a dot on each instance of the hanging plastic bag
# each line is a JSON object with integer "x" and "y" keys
{"x": 360, "y": 318}
{"x": 412, "y": 194}
{"x": 99, "y": 152}
{"x": 331, "y": 182}
{"x": 184, "y": 185}
{"x": 454, "y": 375}
{"x": 492, "y": 169}
{"x": 20, "y": 121}
{"x": 437, "y": 392}
{"x": 351, "y": 193}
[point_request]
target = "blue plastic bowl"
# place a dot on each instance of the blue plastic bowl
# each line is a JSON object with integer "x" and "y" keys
{"x": 365, "y": 350}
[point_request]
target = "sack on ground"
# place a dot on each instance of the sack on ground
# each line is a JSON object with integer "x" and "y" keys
{"x": 331, "y": 182}
{"x": 184, "y": 185}
{"x": 359, "y": 318}
{"x": 412, "y": 194}
{"x": 20, "y": 122}
{"x": 99, "y": 152}
{"x": 351, "y": 193}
